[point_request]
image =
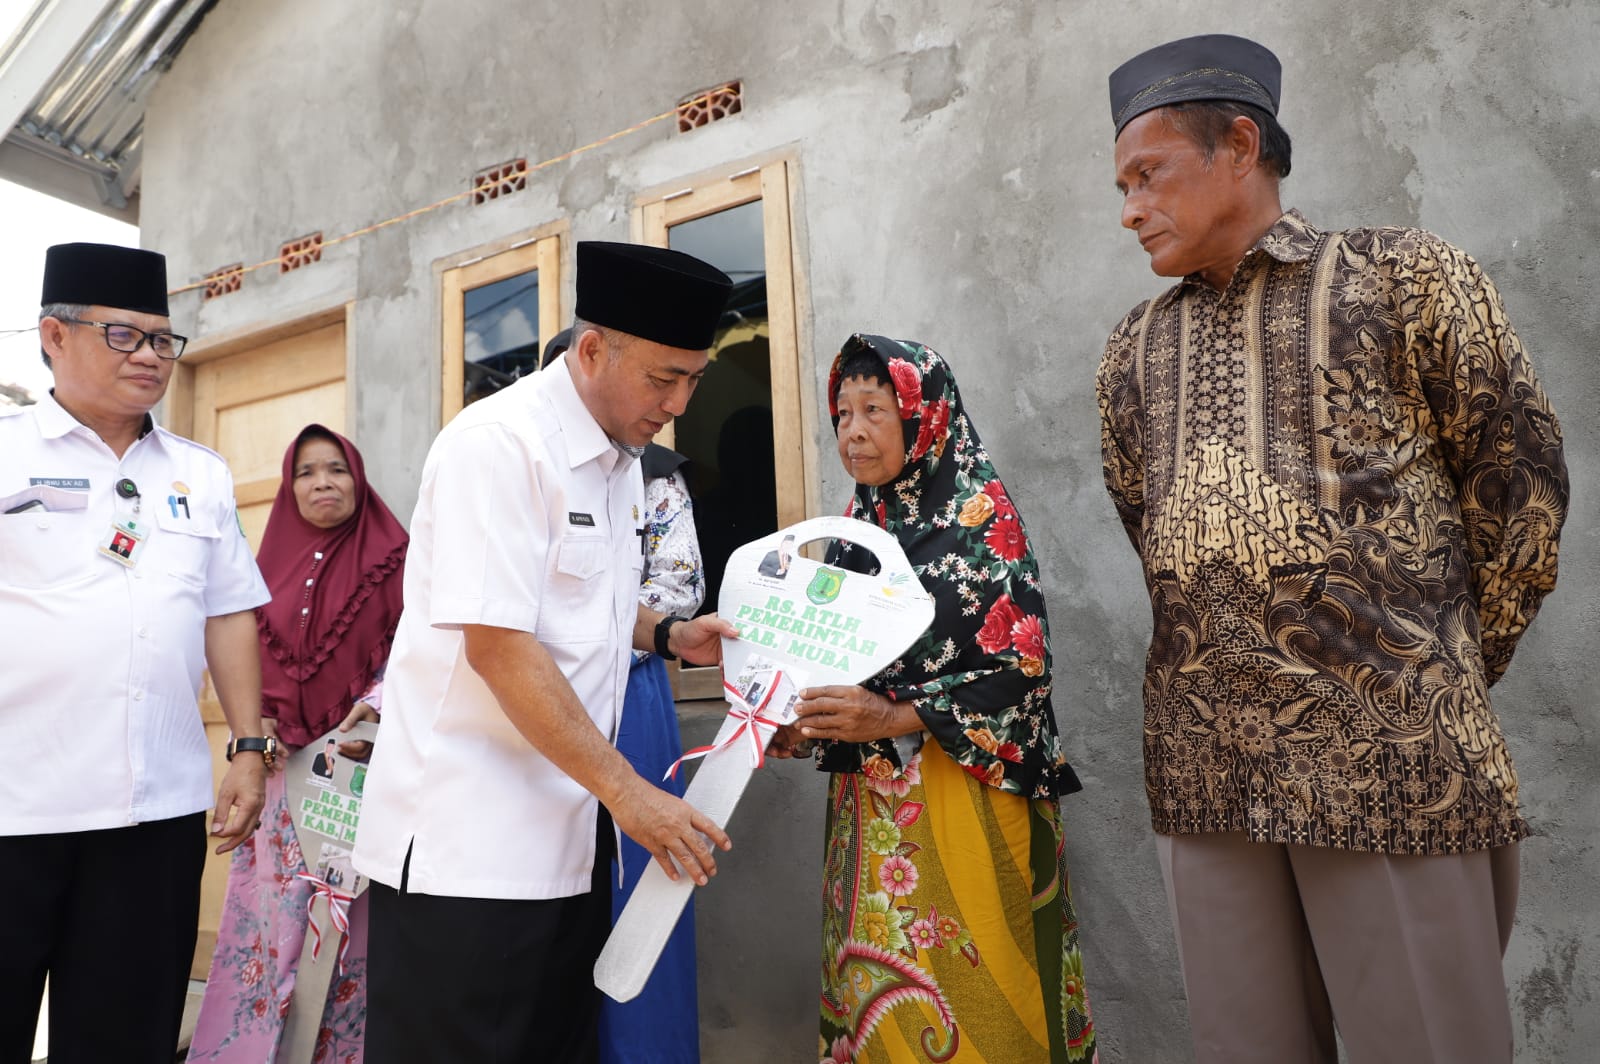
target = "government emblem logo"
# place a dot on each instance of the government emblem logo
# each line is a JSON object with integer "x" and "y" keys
{"x": 824, "y": 587}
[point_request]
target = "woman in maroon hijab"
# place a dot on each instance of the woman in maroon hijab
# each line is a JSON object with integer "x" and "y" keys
{"x": 332, "y": 555}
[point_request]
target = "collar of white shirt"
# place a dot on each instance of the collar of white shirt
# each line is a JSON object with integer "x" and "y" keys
{"x": 55, "y": 422}
{"x": 586, "y": 441}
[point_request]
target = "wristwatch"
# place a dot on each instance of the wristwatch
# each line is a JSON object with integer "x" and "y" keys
{"x": 663, "y": 633}
{"x": 266, "y": 747}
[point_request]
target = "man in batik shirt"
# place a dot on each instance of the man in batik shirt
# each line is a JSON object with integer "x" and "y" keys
{"x": 1346, "y": 486}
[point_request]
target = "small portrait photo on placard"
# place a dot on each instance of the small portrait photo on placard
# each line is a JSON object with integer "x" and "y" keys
{"x": 775, "y": 563}
{"x": 325, "y": 762}
{"x": 769, "y": 688}
{"x": 334, "y": 867}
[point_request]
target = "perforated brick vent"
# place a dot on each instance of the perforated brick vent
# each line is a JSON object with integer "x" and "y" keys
{"x": 706, "y": 107}
{"x": 501, "y": 180}
{"x": 299, "y": 252}
{"x": 221, "y": 282}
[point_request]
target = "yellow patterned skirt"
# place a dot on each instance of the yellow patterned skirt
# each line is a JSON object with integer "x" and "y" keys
{"x": 948, "y": 927}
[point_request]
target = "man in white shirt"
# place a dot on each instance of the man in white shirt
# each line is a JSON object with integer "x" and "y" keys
{"x": 486, "y": 822}
{"x": 123, "y": 573}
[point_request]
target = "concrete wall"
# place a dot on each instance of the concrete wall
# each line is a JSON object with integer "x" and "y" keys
{"x": 954, "y": 187}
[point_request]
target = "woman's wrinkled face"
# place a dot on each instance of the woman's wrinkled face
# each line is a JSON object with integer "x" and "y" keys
{"x": 872, "y": 444}
{"x": 324, "y": 488}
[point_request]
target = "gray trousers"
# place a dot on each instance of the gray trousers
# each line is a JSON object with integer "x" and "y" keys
{"x": 1279, "y": 943}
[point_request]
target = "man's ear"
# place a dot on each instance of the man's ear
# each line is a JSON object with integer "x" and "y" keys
{"x": 1244, "y": 145}
{"x": 587, "y": 348}
{"x": 52, "y": 335}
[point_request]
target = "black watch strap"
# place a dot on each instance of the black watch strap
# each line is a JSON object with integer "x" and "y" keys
{"x": 265, "y": 747}
{"x": 663, "y": 631}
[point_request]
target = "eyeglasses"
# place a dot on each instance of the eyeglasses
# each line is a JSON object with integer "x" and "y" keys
{"x": 127, "y": 339}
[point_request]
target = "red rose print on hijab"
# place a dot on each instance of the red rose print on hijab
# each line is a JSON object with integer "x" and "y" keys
{"x": 995, "y": 635}
{"x": 932, "y": 428}
{"x": 907, "y": 386}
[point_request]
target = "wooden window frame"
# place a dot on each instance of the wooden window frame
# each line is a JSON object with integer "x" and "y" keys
{"x": 539, "y": 249}
{"x": 794, "y": 417}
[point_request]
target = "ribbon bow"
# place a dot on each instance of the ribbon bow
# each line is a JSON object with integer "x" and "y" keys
{"x": 338, "y": 909}
{"x": 750, "y": 718}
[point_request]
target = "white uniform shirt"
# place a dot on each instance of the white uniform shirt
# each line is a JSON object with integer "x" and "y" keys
{"x": 99, "y": 724}
{"x": 528, "y": 518}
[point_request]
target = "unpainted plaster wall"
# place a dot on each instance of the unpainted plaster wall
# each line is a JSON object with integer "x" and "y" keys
{"x": 955, "y": 187}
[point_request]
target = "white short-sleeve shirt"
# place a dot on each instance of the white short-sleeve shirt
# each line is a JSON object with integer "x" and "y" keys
{"x": 528, "y": 518}
{"x": 99, "y": 722}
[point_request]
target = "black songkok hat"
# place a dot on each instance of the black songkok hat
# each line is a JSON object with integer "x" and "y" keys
{"x": 663, "y": 296}
{"x": 105, "y": 275}
{"x": 1214, "y": 67}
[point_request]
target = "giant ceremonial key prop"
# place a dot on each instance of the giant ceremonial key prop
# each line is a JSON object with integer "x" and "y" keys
{"x": 801, "y": 624}
{"x": 324, "y": 789}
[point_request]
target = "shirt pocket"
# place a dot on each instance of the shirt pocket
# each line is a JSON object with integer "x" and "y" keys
{"x": 185, "y": 546}
{"x": 46, "y": 549}
{"x": 579, "y": 606}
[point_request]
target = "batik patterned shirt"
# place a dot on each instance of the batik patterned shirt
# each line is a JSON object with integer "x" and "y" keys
{"x": 1346, "y": 486}
{"x": 674, "y": 576}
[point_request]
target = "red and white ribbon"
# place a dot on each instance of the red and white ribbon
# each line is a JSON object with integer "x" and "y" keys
{"x": 338, "y": 909}
{"x": 751, "y": 720}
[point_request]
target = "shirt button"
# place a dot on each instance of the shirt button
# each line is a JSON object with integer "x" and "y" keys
{"x": 144, "y": 633}
{"x": 138, "y": 696}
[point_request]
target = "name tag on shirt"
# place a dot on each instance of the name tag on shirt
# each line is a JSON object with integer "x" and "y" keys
{"x": 587, "y": 520}
{"x": 64, "y": 483}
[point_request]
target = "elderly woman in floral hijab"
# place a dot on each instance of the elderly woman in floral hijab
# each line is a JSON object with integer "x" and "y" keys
{"x": 948, "y": 928}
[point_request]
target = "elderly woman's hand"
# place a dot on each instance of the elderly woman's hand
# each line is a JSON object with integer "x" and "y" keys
{"x": 786, "y": 742}
{"x": 853, "y": 714}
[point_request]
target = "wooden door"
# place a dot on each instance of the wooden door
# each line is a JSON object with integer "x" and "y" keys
{"x": 246, "y": 398}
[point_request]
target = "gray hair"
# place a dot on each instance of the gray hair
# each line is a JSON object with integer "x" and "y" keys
{"x": 61, "y": 312}
{"x": 612, "y": 338}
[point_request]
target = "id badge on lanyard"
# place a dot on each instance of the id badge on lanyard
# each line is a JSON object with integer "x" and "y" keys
{"x": 123, "y": 542}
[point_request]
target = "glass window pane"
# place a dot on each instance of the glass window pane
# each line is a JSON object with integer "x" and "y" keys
{"x": 500, "y": 334}
{"x": 727, "y": 431}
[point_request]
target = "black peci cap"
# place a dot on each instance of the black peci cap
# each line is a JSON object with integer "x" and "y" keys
{"x": 653, "y": 293}
{"x": 1213, "y": 67}
{"x": 106, "y": 275}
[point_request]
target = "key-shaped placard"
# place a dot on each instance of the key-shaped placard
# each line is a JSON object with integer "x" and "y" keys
{"x": 801, "y": 624}
{"x": 324, "y": 789}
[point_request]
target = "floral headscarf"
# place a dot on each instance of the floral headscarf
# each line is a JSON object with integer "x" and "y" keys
{"x": 980, "y": 676}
